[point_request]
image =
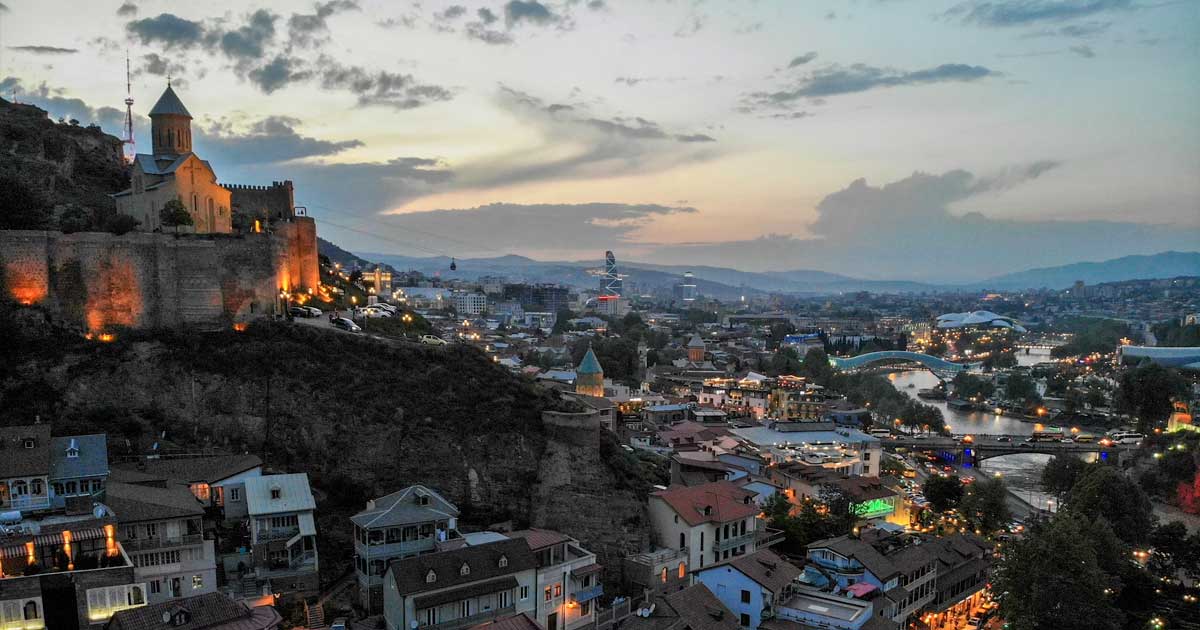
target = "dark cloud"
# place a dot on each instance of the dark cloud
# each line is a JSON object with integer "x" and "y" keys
{"x": 802, "y": 59}
{"x": 45, "y": 50}
{"x": 249, "y": 41}
{"x": 128, "y": 9}
{"x": 379, "y": 87}
{"x": 168, "y": 30}
{"x": 486, "y": 15}
{"x": 796, "y": 115}
{"x": 1079, "y": 31}
{"x": 835, "y": 80}
{"x": 694, "y": 137}
{"x": 278, "y": 73}
{"x": 529, "y": 12}
{"x": 57, "y": 105}
{"x": 1083, "y": 51}
{"x": 596, "y": 5}
{"x": 1001, "y": 13}
{"x": 161, "y": 66}
{"x": 311, "y": 29}
{"x": 480, "y": 31}
{"x": 452, "y": 12}
{"x": 272, "y": 139}
{"x": 3, "y": 8}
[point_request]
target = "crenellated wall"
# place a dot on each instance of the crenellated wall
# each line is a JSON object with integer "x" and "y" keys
{"x": 275, "y": 202}
{"x": 97, "y": 280}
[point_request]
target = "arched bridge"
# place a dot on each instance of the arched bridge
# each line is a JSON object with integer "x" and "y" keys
{"x": 988, "y": 446}
{"x": 942, "y": 368}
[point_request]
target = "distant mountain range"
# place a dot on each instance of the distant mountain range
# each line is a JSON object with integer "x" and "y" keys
{"x": 725, "y": 283}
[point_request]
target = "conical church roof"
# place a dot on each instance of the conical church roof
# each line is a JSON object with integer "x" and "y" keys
{"x": 169, "y": 104}
{"x": 695, "y": 342}
{"x": 590, "y": 364}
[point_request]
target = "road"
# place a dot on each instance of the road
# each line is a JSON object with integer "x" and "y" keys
{"x": 1016, "y": 505}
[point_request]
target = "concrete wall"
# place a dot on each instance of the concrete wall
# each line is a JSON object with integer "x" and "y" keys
{"x": 97, "y": 281}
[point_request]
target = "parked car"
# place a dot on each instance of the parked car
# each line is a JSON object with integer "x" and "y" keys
{"x": 338, "y": 624}
{"x": 1003, "y": 438}
{"x": 373, "y": 312}
{"x": 346, "y": 324}
{"x": 299, "y": 311}
{"x": 432, "y": 340}
{"x": 974, "y": 623}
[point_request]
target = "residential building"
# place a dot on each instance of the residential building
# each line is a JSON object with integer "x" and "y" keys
{"x": 844, "y": 449}
{"x": 661, "y": 570}
{"x": 751, "y": 585}
{"x": 868, "y": 497}
{"x": 897, "y": 564}
{"x": 963, "y": 567}
{"x": 283, "y": 534}
{"x": 212, "y": 611}
{"x": 693, "y": 608}
{"x": 218, "y": 481}
{"x": 162, "y": 531}
{"x": 713, "y": 521}
{"x": 403, "y": 524}
{"x": 807, "y": 607}
{"x": 460, "y": 588}
{"x": 468, "y": 303}
{"x": 41, "y": 473}
{"x": 568, "y": 580}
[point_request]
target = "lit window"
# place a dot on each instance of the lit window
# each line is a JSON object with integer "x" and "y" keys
{"x": 197, "y": 581}
{"x": 682, "y": 570}
{"x": 663, "y": 577}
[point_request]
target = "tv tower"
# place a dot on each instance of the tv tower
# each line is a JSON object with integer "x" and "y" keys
{"x": 127, "y": 140}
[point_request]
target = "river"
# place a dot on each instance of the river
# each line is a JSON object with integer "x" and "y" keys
{"x": 1021, "y": 472}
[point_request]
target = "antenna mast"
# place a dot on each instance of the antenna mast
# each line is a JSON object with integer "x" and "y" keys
{"x": 128, "y": 139}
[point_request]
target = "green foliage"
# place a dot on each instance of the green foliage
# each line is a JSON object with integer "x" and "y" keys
{"x": 1103, "y": 492}
{"x": 1092, "y": 334}
{"x": 1021, "y": 388}
{"x": 1061, "y": 473}
{"x": 618, "y": 355}
{"x": 638, "y": 471}
{"x": 985, "y": 504}
{"x": 23, "y": 206}
{"x": 562, "y": 321}
{"x": 397, "y": 326}
{"x": 1173, "y": 334}
{"x": 816, "y": 367}
{"x": 784, "y": 361}
{"x": 119, "y": 223}
{"x": 1146, "y": 392}
{"x": 1053, "y": 578}
{"x": 876, "y": 392}
{"x": 943, "y": 493}
{"x": 74, "y": 219}
{"x": 174, "y": 214}
{"x": 810, "y": 521}
{"x": 969, "y": 386}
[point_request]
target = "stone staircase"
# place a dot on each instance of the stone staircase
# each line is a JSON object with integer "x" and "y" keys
{"x": 314, "y": 614}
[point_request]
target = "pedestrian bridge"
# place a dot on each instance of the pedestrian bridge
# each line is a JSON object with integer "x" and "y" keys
{"x": 988, "y": 446}
{"x": 942, "y": 368}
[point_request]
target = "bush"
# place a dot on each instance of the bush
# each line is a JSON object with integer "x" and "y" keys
{"x": 119, "y": 224}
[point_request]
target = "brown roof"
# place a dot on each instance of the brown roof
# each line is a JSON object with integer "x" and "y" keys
{"x": 716, "y": 502}
{"x": 693, "y": 608}
{"x": 768, "y": 569}
{"x": 134, "y": 503}
{"x": 18, "y": 461}
{"x": 214, "y": 611}
{"x": 540, "y": 538}
{"x": 519, "y": 621}
{"x": 483, "y": 562}
{"x": 190, "y": 470}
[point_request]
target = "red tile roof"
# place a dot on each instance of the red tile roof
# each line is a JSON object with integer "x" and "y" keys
{"x": 716, "y": 502}
{"x": 540, "y": 538}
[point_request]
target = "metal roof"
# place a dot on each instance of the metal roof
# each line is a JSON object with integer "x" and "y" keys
{"x": 402, "y": 508}
{"x": 590, "y": 364}
{"x": 294, "y": 494}
{"x": 90, "y": 456}
{"x": 169, "y": 104}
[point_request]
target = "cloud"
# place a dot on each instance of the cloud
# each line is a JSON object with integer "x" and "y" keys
{"x": 452, "y": 12}
{"x": 802, "y": 59}
{"x": 312, "y": 29}
{"x": 249, "y": 41}
{"x": 692, "y": 25}
{"x": 167, "y": 29}
{"x": 57, "y": 105}
{"x": 269, "y": 140}
{"x": 45, "y": 50}
{"x": 1083, "y": 51}
{"x": 1004, "y": 13}
{"x": 596, "y": 5}
{"x": 161, "y": 66}
{"x": 486, "y": 15}
{"x": 128, "y": 9}
{"x": 278, "y": 73}
{"x": 837, "y": 80}
{"x": 529, "y": 12}
{"x": 1078, "y": 31}
{"x": 379, "y": 87}
{"x": 479, "y": 31}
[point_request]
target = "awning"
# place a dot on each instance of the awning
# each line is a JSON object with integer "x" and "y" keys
{"x": 586, "y": 570}
{"x": 471, "y": 590}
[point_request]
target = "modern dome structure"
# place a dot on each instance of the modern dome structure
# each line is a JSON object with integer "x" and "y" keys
{"x": 978, "y": 319}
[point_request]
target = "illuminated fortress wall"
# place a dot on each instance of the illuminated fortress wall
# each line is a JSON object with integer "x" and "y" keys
{"x": 98, "y": 280}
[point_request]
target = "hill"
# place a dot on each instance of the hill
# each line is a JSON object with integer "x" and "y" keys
{"x": 1162, "y": 265}
{"x": 50, "y": 167}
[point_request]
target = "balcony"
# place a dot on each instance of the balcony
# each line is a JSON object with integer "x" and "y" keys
{"x": 276, "y": 533}
{"x": 395, "y": 549}
{"x": 735, "y": 541}
{"x": 143, "y": 544}
{"x": 767, "y": 537}
{"x": 26, "y": 503}
{"x": 470, "y": 620}
{"x": 587, "y": 594}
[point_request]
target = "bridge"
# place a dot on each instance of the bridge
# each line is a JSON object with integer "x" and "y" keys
{"x": 995, "y": 445}
{"x": 940, "y": 367}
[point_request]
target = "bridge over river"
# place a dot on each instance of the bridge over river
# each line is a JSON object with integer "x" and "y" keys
{"x": 940, "y": 367}
{"x": 987, "y": 446}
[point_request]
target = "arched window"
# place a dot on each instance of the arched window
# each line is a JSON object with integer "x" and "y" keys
{"x": 31, "y": 610}
{"x": 682, "y": 570}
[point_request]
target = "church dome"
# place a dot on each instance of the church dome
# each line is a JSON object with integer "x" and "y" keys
{"x": 169, "y": 105}
{"x": 590, "y": 364}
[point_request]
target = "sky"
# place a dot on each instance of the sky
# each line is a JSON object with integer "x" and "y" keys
{"x": 887, "y": 139}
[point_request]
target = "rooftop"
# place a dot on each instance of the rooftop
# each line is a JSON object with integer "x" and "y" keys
{"x": 213, "y": 611}
{"x": 482, "y": 562}
{"x": 716, "y": 502}
{"x": 405, "y": 506}
{"x": 189, "y": 470}
{"x": 148, "y": 503}
{"x": 169, "y": 104}
{"x": 293, "y": 494}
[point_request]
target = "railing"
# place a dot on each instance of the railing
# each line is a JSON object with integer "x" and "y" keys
{"x": 142, "y": 544}
{"x": 588, "y": 594}
{"x": 608, "y": 617}
{"x": 26, "y": 503}
{"x": 734, "y": 541}
{"x": 660, "y": 556}
{"x": 768, "y": 537}
{"x": 470, "y": 620}
{"x": 399, "y": 548}
{"x": 276, "y": 533}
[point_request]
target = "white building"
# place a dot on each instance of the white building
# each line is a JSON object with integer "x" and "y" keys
{"x": 568, "y": 580}
{"x": 470, "y": 303}
{"x": 713, "y": 521}
{"x": 283, "y": 534}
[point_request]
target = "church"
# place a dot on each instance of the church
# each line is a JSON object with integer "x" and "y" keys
{"x": 172, "y": 171}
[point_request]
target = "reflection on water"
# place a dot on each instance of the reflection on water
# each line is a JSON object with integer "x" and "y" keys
{"x": 1021, "y": 472}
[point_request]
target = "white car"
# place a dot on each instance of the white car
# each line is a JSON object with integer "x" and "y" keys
{"x": 432, "y": 340}
{"x": 372, "y": 311}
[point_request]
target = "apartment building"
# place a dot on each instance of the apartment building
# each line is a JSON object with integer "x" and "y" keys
{"x": 713, "y": 521}
{"x": 897, "y": 565}
{"x": 460, "y": 588}
{"x": 403, "y": 524}
{"x": 751, "y": 585}
{"x": 217, "y": 481}
{"x": 568, "y": 580}
{"x": 283, "y": 534}
{"x": 162, "y": 531}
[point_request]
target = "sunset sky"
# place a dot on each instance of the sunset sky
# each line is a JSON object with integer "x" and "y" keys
{"x": 878, "y": 138}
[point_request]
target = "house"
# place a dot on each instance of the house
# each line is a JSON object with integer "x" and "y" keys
{"x": 809, "y": 607}
{"x": 713, "y": 521}
{"x": 283, "y": 534}
{"x": 568, "y": 580}
{"x": 460, "y": 588}
{"x": 162, "y": 531}
{"x": 693, "y": 608}
{"x": 212, "y": 611}
{"x": 750, "y": 585}
{"x": 658, "y": 571}
{"x": 897, "y": 565}
{"x": 963, "y": 566}
{"x": 39, "y": 472}
{"x": 519, "y": 621}
{"x": 218, "y": 481}
{"x": 402, "y": 524}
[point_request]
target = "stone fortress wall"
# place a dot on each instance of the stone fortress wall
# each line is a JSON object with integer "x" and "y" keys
{"x": 98, "y": 281}
{"x": 273, "y": 202}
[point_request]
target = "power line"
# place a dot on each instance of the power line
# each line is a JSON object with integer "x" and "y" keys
{"x": 369, "y": 219}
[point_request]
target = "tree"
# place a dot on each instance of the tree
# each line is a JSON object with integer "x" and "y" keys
{"x": 985, "y": 504}
{"x": 816, "y": 367}
{"x": 1021, "y": 387}
{"x": 22, "y": 205}
{"x": 562, "y": 321}
{"x": 1061, "y": 473}
{"x": 943, "y": 493}
{"x": 1039, "y": 591}
{"x": 971, "y": 386}
{"x": 74, "y": 219}
{"x": 1102, "y": 492}
{"x": 1146, "y": 393}
{"x": 174, "y": 214}
{"x": 785, "y": 361}
{"x": 1171, "y": 549}
{"x": 119, "y": 223}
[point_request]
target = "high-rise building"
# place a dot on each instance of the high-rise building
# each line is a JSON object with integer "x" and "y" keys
{"x": 686, "y": 289}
